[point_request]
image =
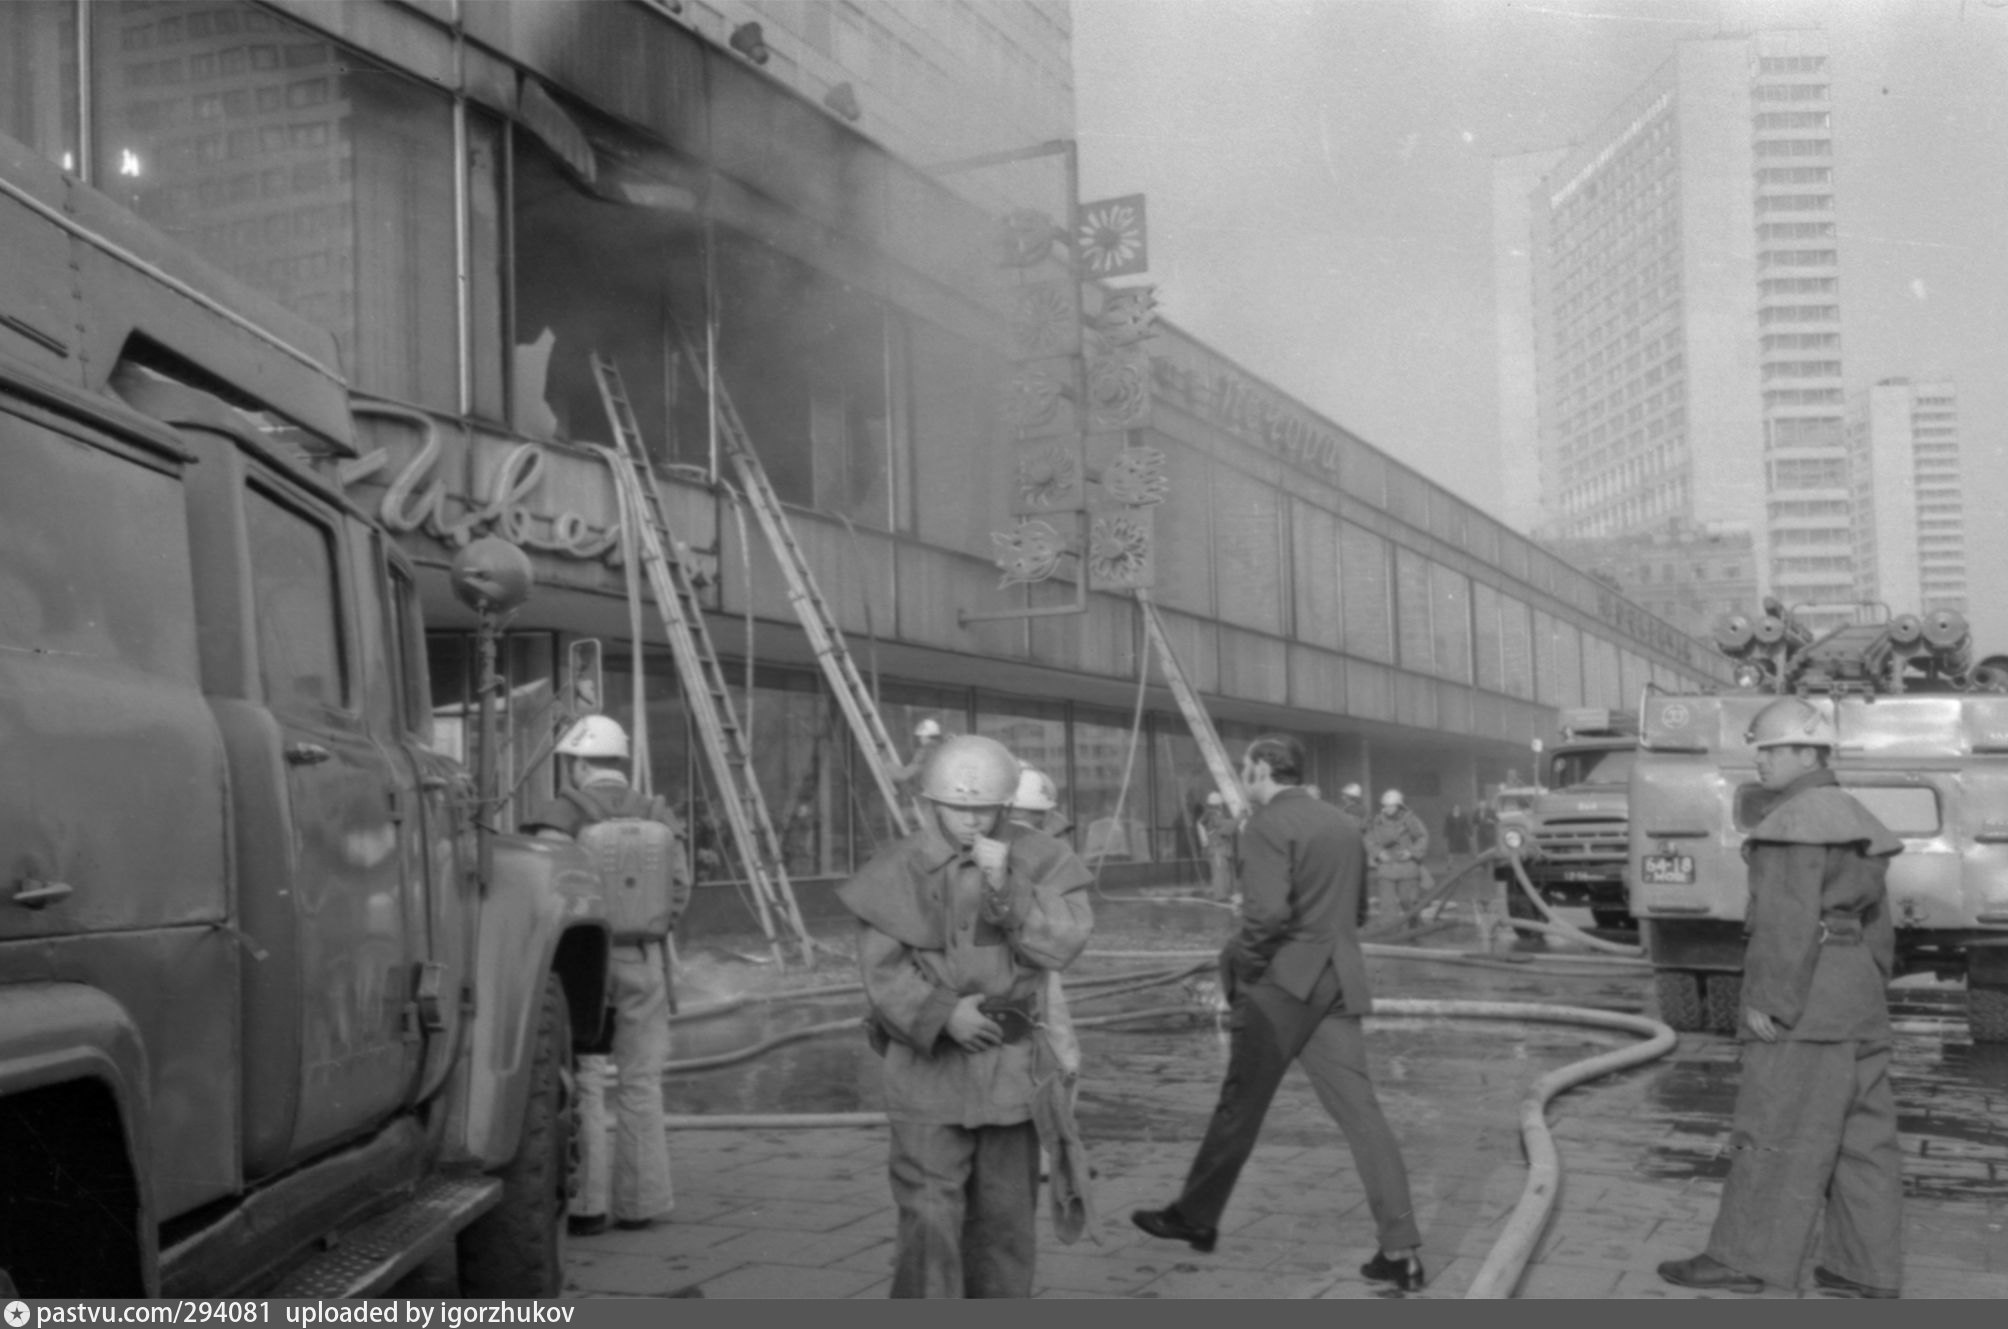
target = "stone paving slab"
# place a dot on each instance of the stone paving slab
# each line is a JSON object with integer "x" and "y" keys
{"x": 807, "y": 1214}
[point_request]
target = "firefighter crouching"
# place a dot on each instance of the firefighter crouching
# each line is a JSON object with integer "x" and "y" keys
{"x": 1813, "y": 1148}
{"x": 960, "y": 926}
{"x": 1396, "y": 842}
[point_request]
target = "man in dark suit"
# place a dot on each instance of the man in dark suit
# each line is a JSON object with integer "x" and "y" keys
{"x": 1297, "y": 984}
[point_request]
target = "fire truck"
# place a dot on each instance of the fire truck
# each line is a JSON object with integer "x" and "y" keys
{"x": 279, "y": 1014}
{"x": 1571, "y": 840}
{"x": 1923, "y": 730}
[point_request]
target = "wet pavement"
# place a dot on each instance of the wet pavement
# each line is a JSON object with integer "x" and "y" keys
{"x": 791, "y": 1212}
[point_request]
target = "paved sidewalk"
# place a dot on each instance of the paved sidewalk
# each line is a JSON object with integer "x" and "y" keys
{"x": 807, "y": 1213}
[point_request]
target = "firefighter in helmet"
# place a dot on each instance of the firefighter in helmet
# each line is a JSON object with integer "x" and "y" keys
{"x": 1396, "y": 842}
{"x": 960, "y": 925}
{"x": 1814, "y": 1156}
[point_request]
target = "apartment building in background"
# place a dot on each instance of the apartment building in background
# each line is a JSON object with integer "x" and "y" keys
{"x": 1683, "y": 296}
{"x": 1910, "y": 521}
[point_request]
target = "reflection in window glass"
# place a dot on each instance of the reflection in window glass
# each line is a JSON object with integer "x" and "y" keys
{"x": 1450, "y": 621}
{"x": 1036, "y": 733}
{"x": 38, "y": 77}
{"x": 1182, "y": 782}
{"x": 1101, "y": 754}
{"x": 530, "y": 722}
{"x": 89, "y": 568}
{"x": 306, "y": 171}
{"x": 1363, "y": 573}
{"x": 486, "y": 277}
{"x": 1412, "y": 603}
{"x": 295, "y": 602}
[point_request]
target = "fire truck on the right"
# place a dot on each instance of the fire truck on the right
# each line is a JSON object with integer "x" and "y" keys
{"x": 1923, "y": 744}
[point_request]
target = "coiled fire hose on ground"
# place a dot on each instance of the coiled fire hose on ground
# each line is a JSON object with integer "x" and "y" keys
{"x": 1506, "y": 1262}
{"x": 1555, "y": 926}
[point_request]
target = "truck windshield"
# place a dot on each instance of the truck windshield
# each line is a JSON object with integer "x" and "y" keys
{"x": 1612, "y": 766}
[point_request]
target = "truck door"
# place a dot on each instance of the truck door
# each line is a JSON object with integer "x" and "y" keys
{"x": 354, "y": 949}
{"x": 439, "y": 831}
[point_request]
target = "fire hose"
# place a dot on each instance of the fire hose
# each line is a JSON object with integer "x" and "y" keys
{"x": 1508, "y": 1258}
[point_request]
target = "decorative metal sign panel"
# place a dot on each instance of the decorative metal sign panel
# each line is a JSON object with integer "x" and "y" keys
{"x": 1109, "y": 237}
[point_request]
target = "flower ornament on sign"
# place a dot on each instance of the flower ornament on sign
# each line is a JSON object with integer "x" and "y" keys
{"x": 1025, "y": 237}
{"x": 1119, "y": 551}
{"x": 1028, "y": 552}
{"x": 1109, "y": 237}
{"x": 1043, "y": 321}
{"x": 1049, "y": 478}
{"x": 1032, "y": 398}
{"x": 1128, "y": 316}
{"x": 1119, "y": 388}
{"x": 1136, "y": 476}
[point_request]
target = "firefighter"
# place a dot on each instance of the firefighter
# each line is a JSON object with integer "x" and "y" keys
{"x": 960, "y": 925}
{"x": 1396, "y": 842}
{"x": 1216, "y": 834}
{"x": 629, "y": 1183}
{"x": 1814, "y": 1140}
{"x": 1353, "y": 802}
{"x": 1036, "y": 804}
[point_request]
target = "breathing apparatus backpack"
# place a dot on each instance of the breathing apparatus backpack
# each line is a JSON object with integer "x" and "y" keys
{"x": 643, "y": 868}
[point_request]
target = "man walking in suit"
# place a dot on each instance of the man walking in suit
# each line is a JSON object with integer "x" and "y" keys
{"x": 1297, "y": 985}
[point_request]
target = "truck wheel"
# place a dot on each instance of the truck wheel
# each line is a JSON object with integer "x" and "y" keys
{"x": 1724, "y": 1003}
{"x": 1678, "y": 994}
{"x": 1987, "y": 1014}
{"x": 517, "y": 1249}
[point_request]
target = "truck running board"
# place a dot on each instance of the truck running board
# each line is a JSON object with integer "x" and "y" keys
{"x": 375, "y": 1254}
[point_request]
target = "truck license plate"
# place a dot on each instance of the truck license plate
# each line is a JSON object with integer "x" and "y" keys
{"x": 1667, "y": 869}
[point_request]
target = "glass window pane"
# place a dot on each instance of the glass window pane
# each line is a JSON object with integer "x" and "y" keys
{"x": 1101, "y": 753}
{"x": 88, "y": 561}
{"x": 1247, "y": 515}
{"x": 1182, "y": 782}
{"x": 1450, "y": 620}
{"x": 295, "y": 601}
{"x": 1363, "y": 578}
{"x": 487, "y": 340}
{"x": 38, "y": 77}
{"x": 1412, "y": 600}
{"x": 303, "y": 169}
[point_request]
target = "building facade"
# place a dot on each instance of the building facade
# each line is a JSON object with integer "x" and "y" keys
{"x": 1686, "y": 315}
{"x": 1910, "y": 519}
{"x": 475, "y": 199}
{"x": 1691, "y": 576}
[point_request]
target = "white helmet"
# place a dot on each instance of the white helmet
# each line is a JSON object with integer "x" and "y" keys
{"x": 1214, "y": 800}
{"x": 1791, "y": 722}
{"x": 1391, "y": 799}
{"x": 594, "y": 736}
{"x": 970, "y": 771}
{"x": 1353, "y": 790}
{"x": 1036, "y": 792}
{"x": 928, "y": 728}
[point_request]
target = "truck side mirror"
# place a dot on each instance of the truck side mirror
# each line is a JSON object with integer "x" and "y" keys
{"x": 491, "y": 576}
{"x": 585, "y": 676}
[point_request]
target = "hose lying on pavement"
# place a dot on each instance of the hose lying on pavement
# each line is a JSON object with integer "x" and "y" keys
{"x": 1555, "y": 926}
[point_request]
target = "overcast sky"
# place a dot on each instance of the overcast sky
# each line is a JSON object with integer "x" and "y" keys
{"x": 1318, "y": 175}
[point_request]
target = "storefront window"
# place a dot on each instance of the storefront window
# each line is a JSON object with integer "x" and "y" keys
{"x": 529, "y": 720}
{"x": 38, "y": 77}
{"x": 1036, "y": 733}
{"x": 1181, "y": 783}
{"x": 1101, "y": 756}
{"x": 301, "y": 168}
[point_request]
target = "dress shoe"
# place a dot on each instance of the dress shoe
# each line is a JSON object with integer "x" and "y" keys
{"x": 1705, "y": 1271}
{"x": 586, "y": 1225}
{"x": 1834, "y": 1282}
{"x": 1406, "y": 1273}
{"x": 1168, "y": 1225}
